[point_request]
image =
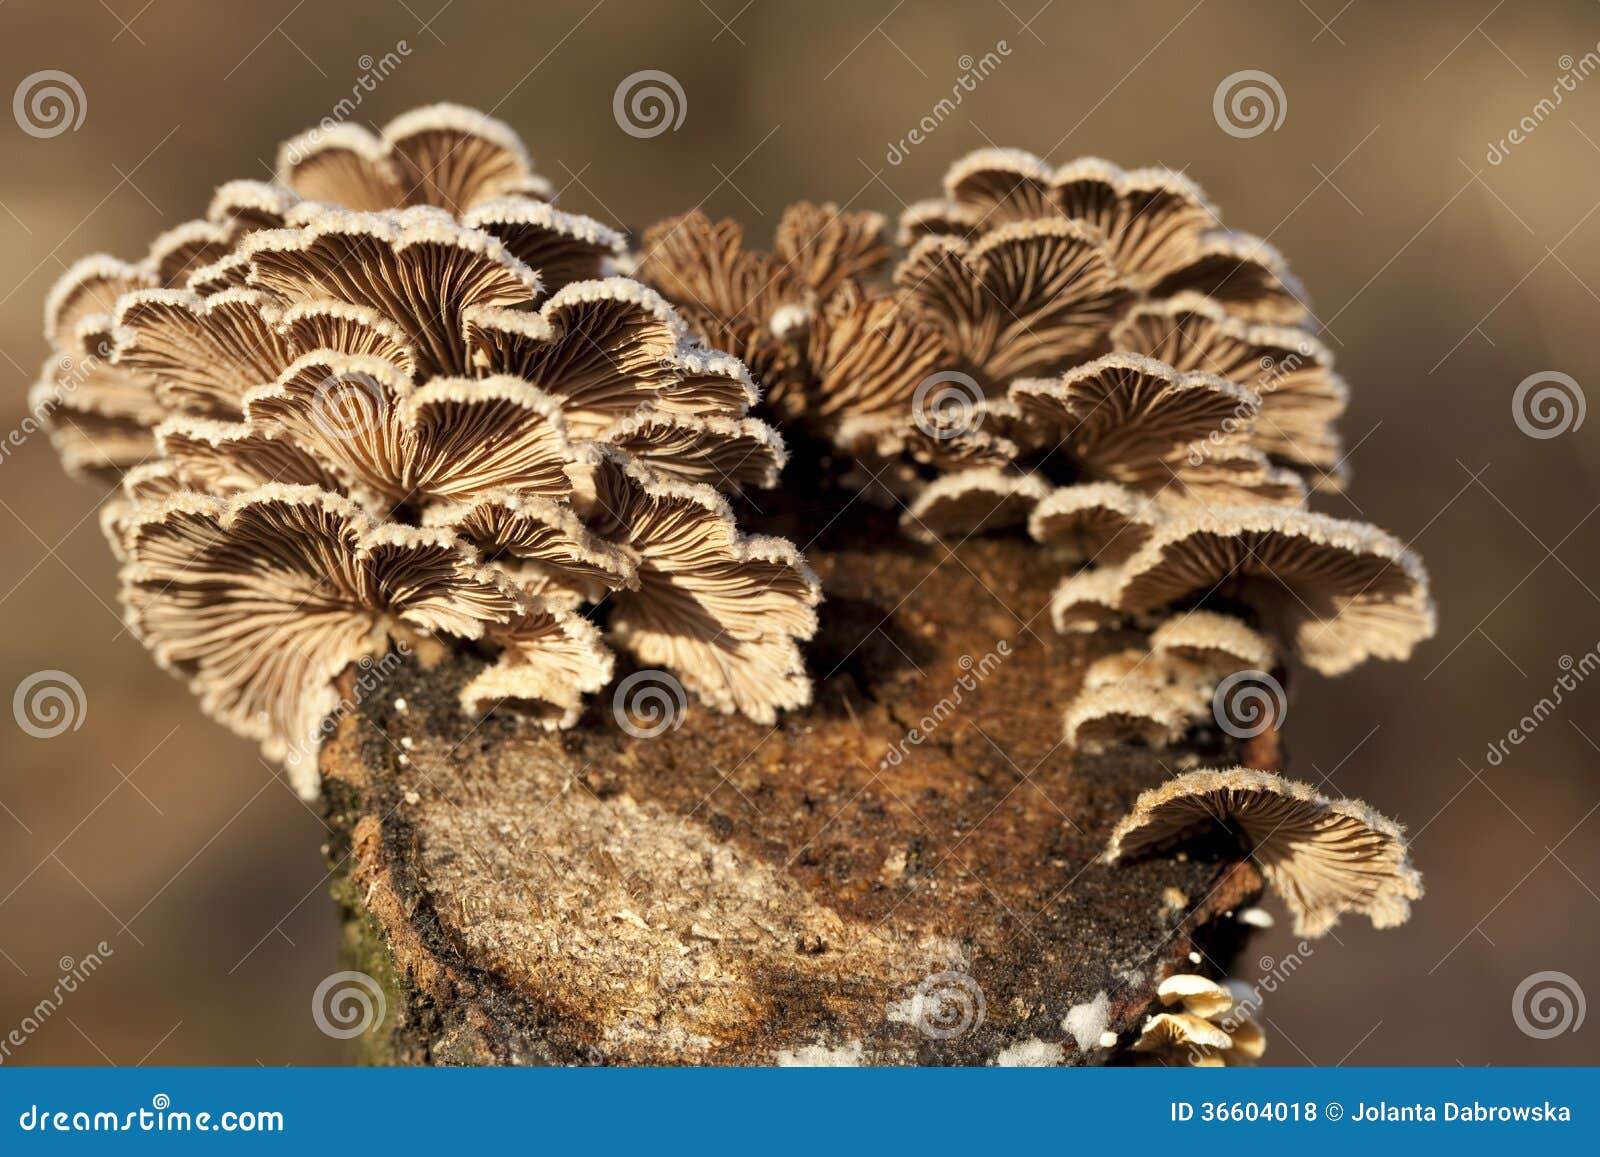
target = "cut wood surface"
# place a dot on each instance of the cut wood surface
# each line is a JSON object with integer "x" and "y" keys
{"x": 825, "y": 890}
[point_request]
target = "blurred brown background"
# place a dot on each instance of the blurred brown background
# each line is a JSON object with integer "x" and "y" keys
{"x": 1442, "y": 281}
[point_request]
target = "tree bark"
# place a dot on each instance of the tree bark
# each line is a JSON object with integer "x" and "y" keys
{"x": 731, "y": 893}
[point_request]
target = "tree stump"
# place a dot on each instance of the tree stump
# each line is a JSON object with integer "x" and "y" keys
{"x": 732, "y": 893}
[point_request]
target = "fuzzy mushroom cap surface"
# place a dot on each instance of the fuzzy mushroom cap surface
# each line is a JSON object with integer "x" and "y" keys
{"x": 1324, "y": 858}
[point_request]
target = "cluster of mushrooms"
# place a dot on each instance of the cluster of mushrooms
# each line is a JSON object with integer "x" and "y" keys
{"x": 395, "y": 397}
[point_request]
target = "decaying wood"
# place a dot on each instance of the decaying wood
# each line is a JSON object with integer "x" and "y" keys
{"x": 732, "y": 893}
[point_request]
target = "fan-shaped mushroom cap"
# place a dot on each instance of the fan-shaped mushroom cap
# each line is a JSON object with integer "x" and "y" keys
{"x": 443, "y": 155}
{"x": 1214, "y": 640}
{"x": 727, "y": 292}
{"x": 1301, "y": 397}
{"x": 869, "y": 355}
{"x": 1229, "y": 473}
{"x": 1151, "y": 218}
{"x": 1243, "y": 274}
{"x": 1174, "y": 1032}
{"x": 1120, "y": 414}
{"x": 452, "y": 438}
{"x": 1198, "y": 994}
{"x": 1095, "y": 522}
{"x": 1114, "y": 714}
{"x": 1323, "y": 857}
{"x": 245, "y": 206}
{"x": 722, "y": 610}
{"x": 825, "y": 246}
{"x": 603, "y": 349}
{"x": 1029, "y": 297}
{"x": 560, "y": 247}
{"x": 89, "y": 288}
{"x": 958, "y": 505}
{"x": 1340, "y": 592}
{"x": 225, "y": 458}
{"x": 187, "y": 247}
{"x": 557, "y": 554}
{"x": 418, "y": 268}
{"x": 935, "y": 216}
{"x": 550, "y": 659}
{"x": 261, "y": 600}
{"x": 1088, "y": 600}
{"x": 201, "y": 354}
{"x": 725, "y": 453}
{"x": 345, "y": 328}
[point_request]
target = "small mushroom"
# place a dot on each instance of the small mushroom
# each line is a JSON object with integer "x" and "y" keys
{"x": 1215, "y": 641}
{"x": 1340, "y": 592}
{"x": 1151, "y": 218}
{"x": 259, "y": 601}
{"x": 1323, "y": 857}
{"x": 443, "y": 155}
{"x": 1301, "y": 397}
{"x": 1028, "y": 297}
{"x": 1095, "y": 522}
{"x": 1113, "y": 715}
